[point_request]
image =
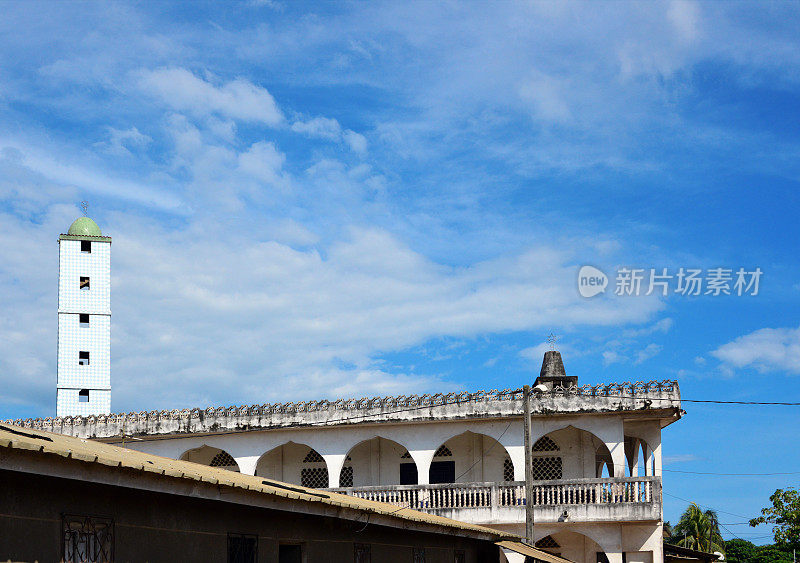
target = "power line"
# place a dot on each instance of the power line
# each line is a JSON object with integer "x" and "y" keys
{"x": 733, "y": 474}
{"x": 702, "y": 505}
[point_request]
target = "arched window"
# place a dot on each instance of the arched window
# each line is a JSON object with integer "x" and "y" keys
{"x": 546, "y": 465}
{"x": 443, "y": 451}
{"x": 508, "y": 470}
{"x": 223, "y": 459}
{"x": 550, "y": 545}
{"x": 314, "y": 473}
{"x": 346, "y": 476}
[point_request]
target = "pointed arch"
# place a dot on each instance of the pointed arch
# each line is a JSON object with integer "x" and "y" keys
{"x": 470, "y": 457}
{"x": 211, "y": 456}
{"x": 378, "y": 461}
{"x": 295, "y": 463}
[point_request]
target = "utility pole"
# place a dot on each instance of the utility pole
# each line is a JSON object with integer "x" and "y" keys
{"x": 526, "y": 398}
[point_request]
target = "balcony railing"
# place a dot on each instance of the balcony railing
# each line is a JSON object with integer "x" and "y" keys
{"x": 634, "y": 498}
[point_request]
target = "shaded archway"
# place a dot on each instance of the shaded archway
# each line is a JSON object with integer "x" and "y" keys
{"x": 573, "y": 546}
{"x": 470, "y": 458}
{"x": 378, "y": 461}
{"x": 211, "y": 456}
{"x": 636, "y": 451}
{"x": 294, "y": 463}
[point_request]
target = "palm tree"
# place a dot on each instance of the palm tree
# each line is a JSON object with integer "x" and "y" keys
{"x": 699, "y": 530}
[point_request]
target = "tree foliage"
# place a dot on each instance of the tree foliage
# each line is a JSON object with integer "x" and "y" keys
{"x": 699, "y": 530}
{"x": 740, "y": 551}
{"x": 785, "y": 515}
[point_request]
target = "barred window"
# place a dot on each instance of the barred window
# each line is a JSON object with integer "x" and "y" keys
{"x": 362, "y": 553}
{"x": 545, "y": 444}
{"x": 546, "y": 468}
{"x": 459, "y": 556}
{"x": 443, "y": 451}
{"x": 547, "y": 542}
{"x": 313, "y": 457}
{"x": 419, "y": 555}
{"x": 223, "y": 459}
{"x": 242, "y": 548}
{"x": 87, "y": 539}
{"x": 508, "y": 470}
{"x": 346, "y": 477}
{"x": 406, "y": 455}
{"x": 314, "y": 477}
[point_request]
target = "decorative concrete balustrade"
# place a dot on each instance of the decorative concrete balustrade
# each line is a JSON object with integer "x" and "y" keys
{"x": 584, "y": 500}
{"x": 651, "y": 395}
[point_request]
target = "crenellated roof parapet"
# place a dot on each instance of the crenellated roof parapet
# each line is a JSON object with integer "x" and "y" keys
{"x": 614, "y": 397}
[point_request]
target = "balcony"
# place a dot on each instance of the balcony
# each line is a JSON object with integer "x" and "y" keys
{"x": 573, "y": 500}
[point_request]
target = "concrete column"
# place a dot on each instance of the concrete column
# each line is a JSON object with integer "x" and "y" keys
{"x": 423, "y": 459}
{"x": 334, "y": 463}
{"x": 517, "y": 455}
{"x": 247, "y": 464}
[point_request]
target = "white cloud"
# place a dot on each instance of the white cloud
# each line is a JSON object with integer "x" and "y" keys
{"x": 322, "y": 127}
{"x": 768, "y": 349}
{"x": 65, "y": 171}
{"x": 239, "y": 99}
{"x": 264, "y": 162}
{"x": 684, "y": 16}
{"x": 330, "y": 129}
{"x": 122, "y": 140}
{"x": 356, "y": 142}
{"x": 650, "y": 351}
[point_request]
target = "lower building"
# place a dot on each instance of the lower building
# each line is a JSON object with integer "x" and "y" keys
{"x": 74, "y": 500}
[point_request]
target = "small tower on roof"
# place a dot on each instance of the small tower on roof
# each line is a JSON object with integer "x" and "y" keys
{"x": 553, "y": 373}
{"x": 84, "y": 320}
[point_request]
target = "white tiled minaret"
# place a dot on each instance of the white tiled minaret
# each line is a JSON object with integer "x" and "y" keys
{"x": 84, "y": 321}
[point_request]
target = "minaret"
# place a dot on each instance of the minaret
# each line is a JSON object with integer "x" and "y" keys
{"x": 84, "y": 320}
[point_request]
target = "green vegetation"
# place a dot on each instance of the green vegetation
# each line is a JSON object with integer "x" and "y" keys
{"x": 743, "y": 551}
{"x": 698, "y": 530}
{"x": 785, "y": 515}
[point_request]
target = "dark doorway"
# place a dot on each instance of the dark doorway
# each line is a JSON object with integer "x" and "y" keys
{"x": 290, "y": 554}
{"x": 408, "y": 474}
{"x": 443, "y": 472}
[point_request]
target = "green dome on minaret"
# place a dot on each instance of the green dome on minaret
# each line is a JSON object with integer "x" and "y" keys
{"x": 84, "y": 227}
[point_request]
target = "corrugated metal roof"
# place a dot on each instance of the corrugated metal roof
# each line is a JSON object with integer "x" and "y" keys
{"x": 115, "y": 457}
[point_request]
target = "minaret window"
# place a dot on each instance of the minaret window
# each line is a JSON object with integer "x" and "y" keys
{"x": 86, "y": 246}
{"x": 83, "y": 358}
{"x": 83, "y": 396}
{"x": 84, "y": 283}
{"x": 83, "y": 319}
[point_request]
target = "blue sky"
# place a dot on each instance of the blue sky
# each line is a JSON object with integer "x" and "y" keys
{"x": 325, "y": 200}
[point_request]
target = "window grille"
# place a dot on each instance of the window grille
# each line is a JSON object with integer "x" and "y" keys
{"x": 547, "y": 542}
{"x": 545, "y": 444}
{"x": 313, "y": 457}
{"x": 459, "y": 556}
{"x": 443, "y": 451}
{"x": 242, "y": 548}
{"x": 346, "y": 478}
{"x": 406, "y": 455}
{"x": 419, "y": 555}
{"x": 87, "y": 539}
{"x": 362, "y": 553}
{"x": 223, "y": 459}
{"x": 314, "y": 477}
{"x": 546, "y": 468}
{"x": 508, "y": 470}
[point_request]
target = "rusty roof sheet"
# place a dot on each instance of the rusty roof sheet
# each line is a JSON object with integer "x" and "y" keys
{"x": 115, "y": 458}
